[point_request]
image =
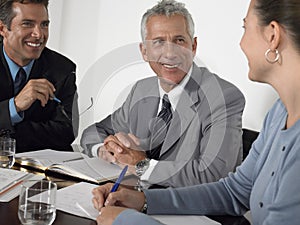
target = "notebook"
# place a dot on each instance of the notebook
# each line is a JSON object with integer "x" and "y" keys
{"x": 72, "y": 164}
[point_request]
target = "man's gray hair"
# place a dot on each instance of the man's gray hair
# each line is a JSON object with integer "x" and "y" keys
{"x": 167, "y": 8}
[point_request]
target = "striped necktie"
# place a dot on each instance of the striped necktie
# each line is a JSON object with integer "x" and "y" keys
{"x": 160, "y": 128}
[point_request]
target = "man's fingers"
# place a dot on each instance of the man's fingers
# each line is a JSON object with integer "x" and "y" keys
{"x": 110, "y": 138}
{"x": 107, "y": 156}
{"x": 100, "y": 194}
{"x": 113, "y": 147}
{"x": 134, "y": 138}
{"x": 42, "y": 85}
{"x": 96, "y": 204}
{"x": 113, "y": 198}
{"x": 128, "y": 140}
{"x": 42, "y": 88}
{"x": 35, "y": 89}
{"x": 98, "y": 199}
{"x": 45, "y": 88}
{"x": 124, "y": 139}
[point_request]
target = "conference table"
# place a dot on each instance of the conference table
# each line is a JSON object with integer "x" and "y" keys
{"x": 9, "y": 210}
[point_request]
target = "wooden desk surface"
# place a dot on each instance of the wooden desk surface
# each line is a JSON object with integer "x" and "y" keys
{"x": 9, "y": 211}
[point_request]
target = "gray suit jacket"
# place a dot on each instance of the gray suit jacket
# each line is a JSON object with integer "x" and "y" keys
{"x": 204, "y": 140}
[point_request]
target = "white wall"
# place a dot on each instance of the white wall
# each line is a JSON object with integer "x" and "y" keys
{"x": 102, "y": 38}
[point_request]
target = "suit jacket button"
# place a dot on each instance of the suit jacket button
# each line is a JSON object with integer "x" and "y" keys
{"x": 261, "y": 204}
{"x": 272, "y": 174}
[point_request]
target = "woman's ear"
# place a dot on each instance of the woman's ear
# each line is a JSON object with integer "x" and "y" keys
{"x": 274, "y": 35}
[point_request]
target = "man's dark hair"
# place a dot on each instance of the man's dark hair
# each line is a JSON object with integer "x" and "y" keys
{"x": 6, "y": 10}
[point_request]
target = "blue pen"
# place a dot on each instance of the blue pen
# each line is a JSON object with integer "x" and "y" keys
{"x": 56, "y": 99}
{"x": 61, "y": 107}
{"x": 52, "y": 97}
{"x": 119, "y": 180}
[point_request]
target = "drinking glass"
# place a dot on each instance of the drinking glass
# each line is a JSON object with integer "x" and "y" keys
{"x": 37, "y": 202}
{"x": 7, "y": 152}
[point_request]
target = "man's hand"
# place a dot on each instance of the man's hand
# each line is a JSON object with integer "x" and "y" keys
{"x": 35, "y": 89}
{"x": 125, "y": 148}
{"x": 104, "y": 154}
{"x": 123, "y": 197}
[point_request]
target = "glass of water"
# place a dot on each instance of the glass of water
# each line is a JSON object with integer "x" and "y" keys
{"x": 7, "y": 152}
{"x": 37, "y": 202}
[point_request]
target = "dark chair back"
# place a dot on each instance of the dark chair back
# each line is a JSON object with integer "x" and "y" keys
{"x": 249, "y": 136}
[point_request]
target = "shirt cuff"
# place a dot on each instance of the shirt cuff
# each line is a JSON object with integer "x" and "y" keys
{"x": 14, "y": 115}
{"x": 95, "y": 149}
{"x": 148, "y": 172}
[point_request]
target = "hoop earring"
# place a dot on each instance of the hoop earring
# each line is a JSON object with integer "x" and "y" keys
{"x": 272, "y": 60}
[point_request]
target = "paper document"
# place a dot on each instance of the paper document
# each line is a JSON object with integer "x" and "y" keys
{"x": 10, "y": 183}
{"x": 77, "y": 200}
{"x": 9, "y": 177}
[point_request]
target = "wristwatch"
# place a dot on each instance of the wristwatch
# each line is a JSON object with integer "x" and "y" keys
{"x": 142, "y": 166}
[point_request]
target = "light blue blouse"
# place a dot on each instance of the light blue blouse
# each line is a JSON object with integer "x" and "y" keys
{"x": 267, "y": 182}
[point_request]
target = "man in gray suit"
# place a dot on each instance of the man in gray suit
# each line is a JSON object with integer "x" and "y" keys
{"x": 201, "y": 139}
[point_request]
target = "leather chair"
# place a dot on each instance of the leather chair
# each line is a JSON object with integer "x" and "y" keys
{"x": 249, "y": 136}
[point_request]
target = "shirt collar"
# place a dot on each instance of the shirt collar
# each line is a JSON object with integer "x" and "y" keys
{"x": 175, "y": 93}
{"x": 14, "y": 68}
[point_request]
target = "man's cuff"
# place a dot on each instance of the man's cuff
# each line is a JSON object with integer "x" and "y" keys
{"x": 95, "y": 148}
{"x": 148, "y": 172}
{"x": 14, "y": 115}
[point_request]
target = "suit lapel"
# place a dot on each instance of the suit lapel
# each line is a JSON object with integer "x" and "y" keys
{"x": 144, "y": 110}
{"x": 37, "y": 70}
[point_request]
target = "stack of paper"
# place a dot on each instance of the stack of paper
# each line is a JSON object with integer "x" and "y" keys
{"x": 10, "y": 183}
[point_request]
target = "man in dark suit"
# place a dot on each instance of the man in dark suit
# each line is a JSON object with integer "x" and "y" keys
{"x": 202, "y": 139}
{"x": 37, "y": 85}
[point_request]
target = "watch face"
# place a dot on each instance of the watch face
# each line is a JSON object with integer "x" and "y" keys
{"x": 141, "y": 167}
{"x": 141, "y": 164}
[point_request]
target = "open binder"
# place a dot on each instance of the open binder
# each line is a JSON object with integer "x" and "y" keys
{"x": 72, "y": 164}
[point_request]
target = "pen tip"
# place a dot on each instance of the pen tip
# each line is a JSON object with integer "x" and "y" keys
{"x": 56, "y": 99}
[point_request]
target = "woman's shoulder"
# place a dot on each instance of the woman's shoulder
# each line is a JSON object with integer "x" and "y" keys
{"x": 277, "y": 111}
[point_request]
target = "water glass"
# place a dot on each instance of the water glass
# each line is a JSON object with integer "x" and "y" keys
{"x": 7, "y": 152}
{"x": 37, "y": 202}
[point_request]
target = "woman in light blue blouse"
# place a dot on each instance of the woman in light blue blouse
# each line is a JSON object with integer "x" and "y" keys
{"x": 268, "y": 181}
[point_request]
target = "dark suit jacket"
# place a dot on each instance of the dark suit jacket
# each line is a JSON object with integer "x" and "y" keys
{"x": 204, "y": 140}
{"x": 42, "y": 127}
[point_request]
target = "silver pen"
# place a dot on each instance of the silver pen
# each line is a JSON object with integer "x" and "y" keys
{"x": 74, "y": 159}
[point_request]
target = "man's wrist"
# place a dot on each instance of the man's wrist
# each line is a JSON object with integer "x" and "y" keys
{"x": 142, "y": 166}
{"x": 145, "y": 206}
{"x": 16, "y": 117}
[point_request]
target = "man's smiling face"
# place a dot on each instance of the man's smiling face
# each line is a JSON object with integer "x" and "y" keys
{"x": 168, "y": 48}
{"x": 28, "y": 34}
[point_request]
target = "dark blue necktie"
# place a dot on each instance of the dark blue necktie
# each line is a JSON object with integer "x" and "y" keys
{"x": 20, "y": 80}
{"x": 160, "y": 128}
